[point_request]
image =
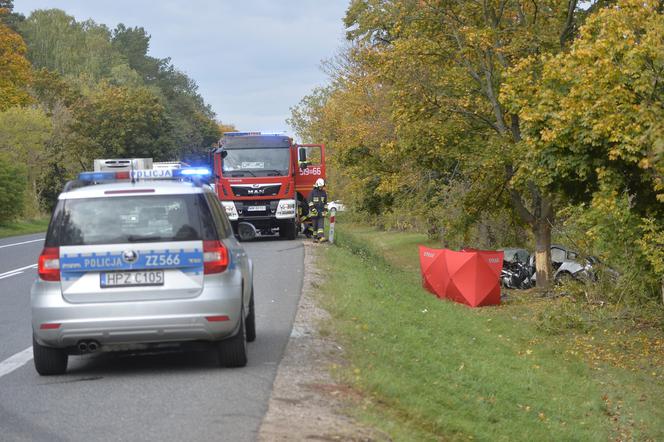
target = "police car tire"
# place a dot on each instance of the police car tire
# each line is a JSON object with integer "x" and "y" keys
{"x": 233, "y": 351}
{"x": 48, "y": 360}
{"x": 251, "y": 320}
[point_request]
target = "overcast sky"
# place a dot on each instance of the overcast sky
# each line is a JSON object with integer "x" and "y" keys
{"x": 252, "y": 59}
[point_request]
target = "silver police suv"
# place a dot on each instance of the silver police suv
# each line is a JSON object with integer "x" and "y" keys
{"x": 132, "y": 262}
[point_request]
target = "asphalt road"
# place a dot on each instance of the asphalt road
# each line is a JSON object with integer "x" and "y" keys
{"x": 181, "y": 396}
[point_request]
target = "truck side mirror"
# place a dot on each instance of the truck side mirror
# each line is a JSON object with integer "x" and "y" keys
{"x": 224, "y": 154}
{"x": 302, "y": 157}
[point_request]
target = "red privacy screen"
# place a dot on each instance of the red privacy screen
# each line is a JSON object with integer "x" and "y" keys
{"x": 471, "y": 277}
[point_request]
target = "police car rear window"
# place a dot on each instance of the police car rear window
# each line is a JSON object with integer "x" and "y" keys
{"x": 131, "y": 219}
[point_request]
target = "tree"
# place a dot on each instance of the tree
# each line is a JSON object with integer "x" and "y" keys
{"x": 6, "y": 6}
{"x": 8, "y": 17}
{"x": 84, "y": 54}
{"x": 593, "y": 120}
{"x": 12, "y": 183}
{"x": 133, "y": 44}
{"x": 120, "y": 122}
{"x": 24, "y": 133}
{"x": 442, "y": 64}
{"x": 59, "y": 43}
{"x": 50, "y": 89}
{"x": 226, "y": 127}
{"x": 595, "y": 115}
{"x": 14, "y": 67}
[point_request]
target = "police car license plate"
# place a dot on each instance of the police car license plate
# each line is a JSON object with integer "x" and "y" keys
{"x": 256, "y": 208}
{"x": 129, "y": 279}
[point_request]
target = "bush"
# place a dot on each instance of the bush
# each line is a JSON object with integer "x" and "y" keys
{"x": 12, "y": 187}
{"x": 50, "y": 183}
{"x": 624, "y": 241}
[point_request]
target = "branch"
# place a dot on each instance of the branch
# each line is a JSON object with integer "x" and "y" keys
{"x": 491, "y": 94}
{"x": 516, "y": 127}
{"x": 473, "y": 115}
{"x": 569, "y": 23}
{"x": 473, "y": 73}
{"x": 520, "y": 208}
{"x": 517, "y": 201}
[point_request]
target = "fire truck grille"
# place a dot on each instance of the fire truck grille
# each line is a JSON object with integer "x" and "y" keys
{"x": 260, "y": 208}
{"x": 256, "y": 190}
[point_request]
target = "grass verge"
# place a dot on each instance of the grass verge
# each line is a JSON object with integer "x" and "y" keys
{"x": 25, "y": 227}
{"x": 432, "y": 370}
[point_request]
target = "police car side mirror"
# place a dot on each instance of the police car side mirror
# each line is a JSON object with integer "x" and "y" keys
{"x": 224, "y": 153}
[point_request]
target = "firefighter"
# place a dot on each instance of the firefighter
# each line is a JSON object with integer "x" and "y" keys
{"x": 305, "y": 220}
{"x": 318, "y": 209}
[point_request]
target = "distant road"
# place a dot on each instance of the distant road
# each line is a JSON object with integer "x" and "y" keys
{"x": 175, "y": 396}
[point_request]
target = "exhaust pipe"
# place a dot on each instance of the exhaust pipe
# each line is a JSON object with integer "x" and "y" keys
{"x": 247, "y": 231}
{"x": 88, "y": 346}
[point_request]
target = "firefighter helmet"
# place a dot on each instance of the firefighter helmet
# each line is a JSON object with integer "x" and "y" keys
{"x": 320, "y": 182}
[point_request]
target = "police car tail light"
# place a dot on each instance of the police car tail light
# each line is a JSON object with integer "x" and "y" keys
{"x": 49, "y": 264}
{"x": 215, "y": 257}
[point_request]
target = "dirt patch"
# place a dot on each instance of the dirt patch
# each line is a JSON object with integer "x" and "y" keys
{"x": 306, "y": 402}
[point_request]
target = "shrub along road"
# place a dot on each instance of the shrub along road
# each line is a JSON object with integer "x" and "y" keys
{"x": 432, "y": 369}
{"x": 23, "y": 227}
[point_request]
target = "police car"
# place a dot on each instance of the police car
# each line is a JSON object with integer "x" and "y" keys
{"x": 140, "y": 260}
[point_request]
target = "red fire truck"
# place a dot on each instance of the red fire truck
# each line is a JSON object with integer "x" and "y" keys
{"x": 263, "y": 181}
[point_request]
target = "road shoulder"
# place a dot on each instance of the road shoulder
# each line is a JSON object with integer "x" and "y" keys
{"x": 306, "y": 402}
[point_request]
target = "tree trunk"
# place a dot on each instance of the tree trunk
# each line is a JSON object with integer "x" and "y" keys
{"x": 542, "y": 232}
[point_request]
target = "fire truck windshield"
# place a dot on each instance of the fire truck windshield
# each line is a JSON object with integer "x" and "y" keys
{"x": 256, "y": 162}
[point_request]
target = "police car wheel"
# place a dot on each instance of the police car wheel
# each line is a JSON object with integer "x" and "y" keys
{"x": 233, "y": 351}
{"x": 251, "y": 320}
{"x": 48, "y": 360}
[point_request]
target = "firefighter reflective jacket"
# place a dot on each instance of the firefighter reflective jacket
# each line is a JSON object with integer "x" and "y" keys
{"x": 318, "y": 200}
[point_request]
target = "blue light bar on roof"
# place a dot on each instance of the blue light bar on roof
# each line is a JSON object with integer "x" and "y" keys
{"x": 99, "y": 176}
{"x": 193, "y": 171}
{"x": 240, "y": 134}
{"x": 145, "y": 174}
{"x": 248, "y": 134}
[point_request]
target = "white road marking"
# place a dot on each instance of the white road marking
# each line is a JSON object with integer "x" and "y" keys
{"x": 16, "y": 271}
{"x": 19, "y": 243}
{"x": 14, "y": 362}
{"x": 10, "y": 275}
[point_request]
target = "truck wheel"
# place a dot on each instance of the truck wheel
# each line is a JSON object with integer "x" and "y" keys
{"x": 48, "y": 360}
{"x": 233, "y": 351}
{"x": 251, "y": 320}
{"x": 288, "y": 230}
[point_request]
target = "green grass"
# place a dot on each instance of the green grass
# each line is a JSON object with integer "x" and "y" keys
{"x": 431, "y": 370}
{"x": 23, "y": 227}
